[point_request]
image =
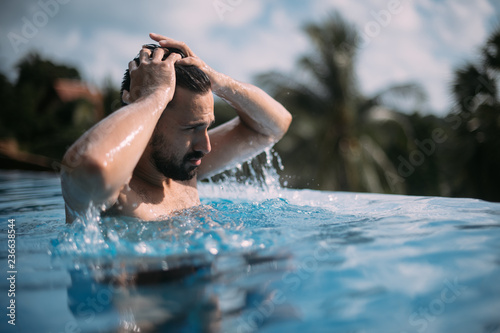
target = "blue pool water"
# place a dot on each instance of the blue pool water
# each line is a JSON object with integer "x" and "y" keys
{"x": 253, "y": 260}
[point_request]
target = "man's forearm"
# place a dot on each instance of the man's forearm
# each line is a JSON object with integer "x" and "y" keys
{"x": 256, "y": 108}
{"x": 103, "y": 159}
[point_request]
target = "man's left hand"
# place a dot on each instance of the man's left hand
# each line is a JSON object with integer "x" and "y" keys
{"x": 217, "y": 79}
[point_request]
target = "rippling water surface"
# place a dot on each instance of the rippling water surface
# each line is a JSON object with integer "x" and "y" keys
{"x": 249, "y": 260}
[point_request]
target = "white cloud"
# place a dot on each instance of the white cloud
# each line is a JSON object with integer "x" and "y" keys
{"x": 113, "y": 59}
{"x": 355, "y": 11}
{"x": 421, "y": 43}
{"x": 189, "y": 18}
{"x": 262, "y": 51}
{"x": 458, "y": 26}
{"x": 407, "y": 19}
{"x": 242, "y": 13}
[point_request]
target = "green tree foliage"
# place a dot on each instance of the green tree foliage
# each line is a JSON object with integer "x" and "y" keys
{"x": 111, "y": 97}
{"x": 333, "y": 139}
{"x": 8, "y": 113}
{"x": 475, "y": 145}
{"x": 339, "y": 139}
{"x": 342, "y": 140}
{"x": 32, "y": 113}
{"x": 33, "y": 121}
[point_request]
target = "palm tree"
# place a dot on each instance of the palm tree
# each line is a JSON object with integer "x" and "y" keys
{"x": 329, "y": 139}
{"x": 476, "y": 151}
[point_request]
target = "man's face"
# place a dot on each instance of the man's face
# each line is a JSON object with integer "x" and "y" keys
{"x": 180, "y": 138}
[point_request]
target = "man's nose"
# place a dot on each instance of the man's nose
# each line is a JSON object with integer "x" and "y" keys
{"x": 202, "y": 143}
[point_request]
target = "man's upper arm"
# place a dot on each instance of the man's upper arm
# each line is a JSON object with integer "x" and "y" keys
{"x": 79, "y": 192}
{"x": 232, "y": 142}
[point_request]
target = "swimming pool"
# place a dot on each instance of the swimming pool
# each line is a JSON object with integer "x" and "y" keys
{"x": 249, "y": 260}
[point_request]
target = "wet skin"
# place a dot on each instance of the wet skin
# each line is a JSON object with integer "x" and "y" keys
{"x": 144, "y": 159}
{"x": 180, "y": 139}
{"x": 181, "y": 136}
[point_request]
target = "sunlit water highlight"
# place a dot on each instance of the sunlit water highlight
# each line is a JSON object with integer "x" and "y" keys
{"x": 254, "y": 259}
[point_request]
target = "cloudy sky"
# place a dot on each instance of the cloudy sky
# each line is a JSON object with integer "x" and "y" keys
{"x": 406, "y": 40}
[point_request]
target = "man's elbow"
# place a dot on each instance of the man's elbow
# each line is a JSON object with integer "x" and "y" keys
{"x": 82, "y": 168}
{"x": 288, "y": 121}
{"x": 283, "y": 125}
{"x": 83, "y": 180}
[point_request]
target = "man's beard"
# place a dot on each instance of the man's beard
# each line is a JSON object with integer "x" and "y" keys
{"x": 176, "y": 170}
{"x": 170, "y": 165}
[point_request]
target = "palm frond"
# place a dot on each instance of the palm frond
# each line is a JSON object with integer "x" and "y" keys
{"x": 289, "y": 91}
{"x": 471, "y": 82}
{"x": 406, "y": 97}
{"x": 381, "y": 163}
{"x": 491, "y": 51}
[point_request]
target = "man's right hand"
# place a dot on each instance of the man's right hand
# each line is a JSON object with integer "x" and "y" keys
{"x": 152, "y": 75}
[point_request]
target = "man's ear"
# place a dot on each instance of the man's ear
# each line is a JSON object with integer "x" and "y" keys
{"x": 126, "y": 97}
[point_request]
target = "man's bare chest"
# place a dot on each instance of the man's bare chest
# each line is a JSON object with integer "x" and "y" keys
{"x": 143, "y": 205}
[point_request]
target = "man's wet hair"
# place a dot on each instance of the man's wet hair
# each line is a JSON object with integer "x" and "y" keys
{"x": 189, "y": 77}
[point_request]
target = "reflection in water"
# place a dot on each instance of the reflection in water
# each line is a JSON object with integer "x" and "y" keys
{"x": 177, "y": 294}
{"x": 222, "y": 267}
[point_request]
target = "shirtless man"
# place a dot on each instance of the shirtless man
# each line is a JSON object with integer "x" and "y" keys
{"x": 144, "y": 159}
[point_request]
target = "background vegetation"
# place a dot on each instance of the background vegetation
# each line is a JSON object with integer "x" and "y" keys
{"x": 339, "y": 139}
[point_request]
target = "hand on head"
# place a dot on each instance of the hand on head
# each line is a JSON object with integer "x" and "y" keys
{"x": 148, "y": 64}
{"x": 190, "y": 60}
{"x": 151, "y": 71}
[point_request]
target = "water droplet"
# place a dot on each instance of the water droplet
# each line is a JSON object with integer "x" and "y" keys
{"x": 246, "y": 243}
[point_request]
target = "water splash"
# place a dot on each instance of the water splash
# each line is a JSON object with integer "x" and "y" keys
{"x": 256, "y": 179}
{"x": 213, "y": 228}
